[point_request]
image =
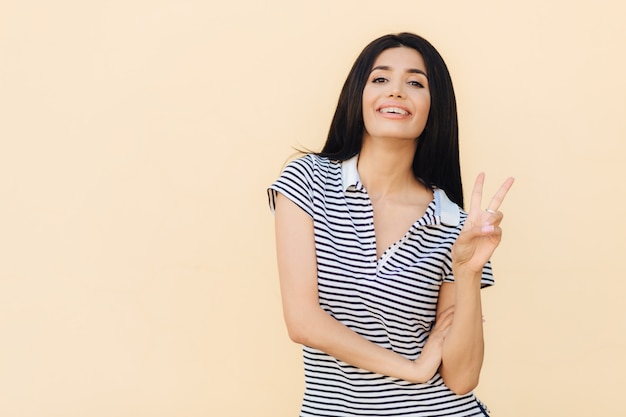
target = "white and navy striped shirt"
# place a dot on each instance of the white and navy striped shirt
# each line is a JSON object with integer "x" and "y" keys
{"x": 391, "y": 300}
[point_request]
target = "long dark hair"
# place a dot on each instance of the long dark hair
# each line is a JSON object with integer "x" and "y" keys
{"x": 436, "y": 160}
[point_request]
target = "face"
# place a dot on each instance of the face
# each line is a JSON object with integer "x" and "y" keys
{"x": 396, "y": 98}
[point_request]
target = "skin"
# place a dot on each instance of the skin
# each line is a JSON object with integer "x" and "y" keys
{"x": 455, "y": 345}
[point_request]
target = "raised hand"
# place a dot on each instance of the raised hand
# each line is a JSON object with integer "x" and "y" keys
{"x": 481, "y": 232}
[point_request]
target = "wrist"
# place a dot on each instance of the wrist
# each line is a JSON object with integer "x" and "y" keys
{"x": 423, "y": 368}
{"x": 417, "y": 372}
{"x": 463, "y": 272}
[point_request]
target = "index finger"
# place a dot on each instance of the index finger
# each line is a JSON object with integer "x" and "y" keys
{"x": 477, "y": 193}
{"x": 498, "y": 198}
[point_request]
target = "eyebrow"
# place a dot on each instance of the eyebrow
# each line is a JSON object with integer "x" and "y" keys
{"x": 410, "y": 70}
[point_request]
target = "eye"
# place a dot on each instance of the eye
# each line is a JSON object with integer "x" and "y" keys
{"x": 379, "y": 80}
{"x": 416, "y": 84}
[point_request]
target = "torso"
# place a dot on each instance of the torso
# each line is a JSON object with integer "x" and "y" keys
{"x": 390, "y": 300}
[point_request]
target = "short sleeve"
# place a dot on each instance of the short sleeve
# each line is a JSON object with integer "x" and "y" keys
{"x": 486, "y": 280}
{"x": 295, "y": 183}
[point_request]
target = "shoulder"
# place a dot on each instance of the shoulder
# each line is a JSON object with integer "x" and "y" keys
{"x": 312, "y": 168}
{"x": 309, "y": 162}
{"x": 303, "y": 174}
{"x": 302, "y": 180}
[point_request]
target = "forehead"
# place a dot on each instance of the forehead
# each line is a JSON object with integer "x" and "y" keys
{"x": 401, "y": 58}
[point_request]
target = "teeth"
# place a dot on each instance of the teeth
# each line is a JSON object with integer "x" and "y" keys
{"x": 395, "y": 110}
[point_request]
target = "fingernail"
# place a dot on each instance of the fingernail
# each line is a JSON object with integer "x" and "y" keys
{"x": 488, "y": 228}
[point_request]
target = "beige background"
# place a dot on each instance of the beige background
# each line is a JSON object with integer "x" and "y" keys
{"x": 137, "y": 272}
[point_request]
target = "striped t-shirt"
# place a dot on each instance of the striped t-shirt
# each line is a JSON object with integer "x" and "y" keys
{"x": 391, "y": 300}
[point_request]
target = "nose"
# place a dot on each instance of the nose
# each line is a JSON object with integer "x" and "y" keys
{"x": 396, "y": 90}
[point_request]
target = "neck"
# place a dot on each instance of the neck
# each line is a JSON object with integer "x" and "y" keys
{"x": 386, "y": 167}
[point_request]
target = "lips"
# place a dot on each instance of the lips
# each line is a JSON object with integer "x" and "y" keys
{"x": 393, "y": 109}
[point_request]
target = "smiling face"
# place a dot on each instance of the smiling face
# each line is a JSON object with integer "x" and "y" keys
{"x": 396, "y": 98}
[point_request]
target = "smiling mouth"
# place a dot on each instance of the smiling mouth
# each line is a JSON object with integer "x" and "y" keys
{"x": 394, "y": 110}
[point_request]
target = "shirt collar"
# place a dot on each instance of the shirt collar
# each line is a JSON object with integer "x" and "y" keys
{"x": 445, "y": 209}
{"x": 448, "y": 211}
{"x": 349, "y": 173}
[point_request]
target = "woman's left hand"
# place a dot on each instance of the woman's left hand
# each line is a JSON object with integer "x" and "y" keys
{"x": 481, "y": 232}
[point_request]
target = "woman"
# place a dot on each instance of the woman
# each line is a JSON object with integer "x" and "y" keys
{"x": 380, "y": 269}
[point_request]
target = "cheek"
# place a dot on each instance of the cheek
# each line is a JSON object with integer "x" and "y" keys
{"x": 367, "y": 121}
{"x": 424, "y": 101}
{"x": 424, "y": 107}
{"x": 427, "y": 109}
{"x": 366, "y": 98}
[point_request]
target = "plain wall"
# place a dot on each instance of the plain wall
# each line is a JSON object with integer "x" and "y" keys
{"x": 137, "y": 263}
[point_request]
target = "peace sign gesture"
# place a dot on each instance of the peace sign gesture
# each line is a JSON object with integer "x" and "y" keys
{"x": 481, "y": 232}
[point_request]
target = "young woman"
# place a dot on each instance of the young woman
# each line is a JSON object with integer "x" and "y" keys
{"x": 380, "y": 268}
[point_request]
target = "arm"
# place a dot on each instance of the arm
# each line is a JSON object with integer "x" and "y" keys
{"x": 463, "y": 347}
{"x": 309, "y": 325}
